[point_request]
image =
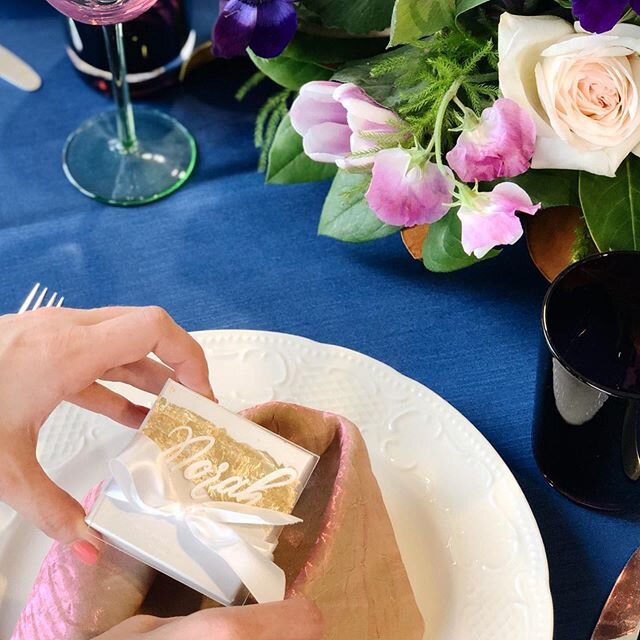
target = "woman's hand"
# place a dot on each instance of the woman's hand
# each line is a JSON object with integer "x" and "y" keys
{"x": 51, "y": 355}
{"x": 296, "y": 619}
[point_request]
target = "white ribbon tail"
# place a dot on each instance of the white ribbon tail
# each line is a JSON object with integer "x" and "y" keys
{"x": 264, "y": 579}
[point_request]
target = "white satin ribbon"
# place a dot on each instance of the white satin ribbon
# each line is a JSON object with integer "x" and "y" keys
{"x": 143, "y": 480}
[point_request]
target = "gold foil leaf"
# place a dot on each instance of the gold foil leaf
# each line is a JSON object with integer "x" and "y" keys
{"x": 217, "y": 465}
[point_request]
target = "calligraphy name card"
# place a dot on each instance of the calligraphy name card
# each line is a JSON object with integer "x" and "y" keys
{"x": 202, "y": 459}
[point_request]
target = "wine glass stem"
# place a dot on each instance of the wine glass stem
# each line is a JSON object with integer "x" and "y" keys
{"x": 113, "y": 36}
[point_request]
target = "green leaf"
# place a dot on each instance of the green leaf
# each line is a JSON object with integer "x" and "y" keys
{"x": 384, "y": 87}
{"x": 442, "y": 250}
{"x": 289, "y": 164}
{"x": 414, "y": 19}
{"x": 354, "y": 16}
{"x": 462, "y": 6}
{"x": 316, "y": 48}
{"x": 290, "y": 73}
{"x": 552, "y": 188}
{"x": 611, "y": 206}
{"x": 346, "y": 215}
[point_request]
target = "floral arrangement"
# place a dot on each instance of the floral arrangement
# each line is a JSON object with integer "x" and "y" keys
{"x": 461, "y": 118}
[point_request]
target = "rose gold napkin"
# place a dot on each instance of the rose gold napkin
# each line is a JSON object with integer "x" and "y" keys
{"x": 343, "y": 556}
{"x": 73, "y": 601}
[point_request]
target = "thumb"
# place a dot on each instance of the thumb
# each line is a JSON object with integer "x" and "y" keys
{"x": 296, "y": 619}
{"x": 29, "y": 490}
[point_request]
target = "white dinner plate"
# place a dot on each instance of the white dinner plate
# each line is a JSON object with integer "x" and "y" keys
{"x": 468, "y": 538}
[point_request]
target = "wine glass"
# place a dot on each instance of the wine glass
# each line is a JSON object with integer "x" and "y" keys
{"x": 115, "y": 157}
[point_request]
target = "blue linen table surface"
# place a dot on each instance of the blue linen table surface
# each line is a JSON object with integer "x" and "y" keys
{"x": 226, "y": 251}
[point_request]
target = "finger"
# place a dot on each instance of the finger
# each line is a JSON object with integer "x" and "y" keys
{"x": 26, "y": 488}
{"x": 108, "y": 403}
{"x": 82, "y": 316}
{"x": 133, "y": 626}
{"x": 297, "y": 619}
{"x": 132, "y": 336}
{"x": 146, "y": 374}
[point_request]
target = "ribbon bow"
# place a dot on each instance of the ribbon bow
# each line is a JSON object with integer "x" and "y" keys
{"x": 143, "y": 479}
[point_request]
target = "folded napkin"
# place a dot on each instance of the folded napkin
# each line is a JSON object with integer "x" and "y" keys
{"x": 343, "y": 556}
{"x": 73, "y": 601}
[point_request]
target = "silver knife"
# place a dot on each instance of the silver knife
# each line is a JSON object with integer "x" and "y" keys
{"x": 620, "y": 618}
{"x": 17, "y": 71}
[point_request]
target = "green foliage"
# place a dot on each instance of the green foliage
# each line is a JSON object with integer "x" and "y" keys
{"x": 250, "y": 84}
{"x": 274, "y": 110}
{"x": 462, "y": 6}
{"x": 354, "y": 16}
{"x": 582, "y": 244}
{"x": 611, "y": 206}
{"x": 414, "y": 79}
{"x": 346, "y": 215}
{"x": 442, "y": 249}
{"x": 319, "y": 48}
{"x": 289, "y": 72}
{"x": 287, "y": 161}
{"x": 413, "y": 20}
{"x": 551, "y": 187}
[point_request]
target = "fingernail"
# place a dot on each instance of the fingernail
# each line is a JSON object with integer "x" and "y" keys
{"x": 85, "y": 552}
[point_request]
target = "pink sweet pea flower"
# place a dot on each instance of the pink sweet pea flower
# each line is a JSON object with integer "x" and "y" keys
{"x": 498, "y": 145}
{"x": 372, "y": 125}
{"x": 489, "y": 219}
{"x": 321, "y": 121}
{"x": 336, "y": 120}
{"x": 407, "y": 189}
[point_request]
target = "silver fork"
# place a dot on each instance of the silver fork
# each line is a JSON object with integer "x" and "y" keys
{"x": 36, "y": 297}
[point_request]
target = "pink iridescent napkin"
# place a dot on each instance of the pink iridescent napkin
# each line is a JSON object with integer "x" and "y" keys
{"x": 343, "y": 556}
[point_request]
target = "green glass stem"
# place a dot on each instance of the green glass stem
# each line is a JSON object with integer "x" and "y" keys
{"x": 113, "y": 36}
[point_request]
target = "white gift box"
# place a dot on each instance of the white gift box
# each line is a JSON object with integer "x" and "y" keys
{"x": 158, "y": 506}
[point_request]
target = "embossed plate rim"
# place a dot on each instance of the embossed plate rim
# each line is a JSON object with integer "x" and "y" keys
{"x": 474, "y": 436}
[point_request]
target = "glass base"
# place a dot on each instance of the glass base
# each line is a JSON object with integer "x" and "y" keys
{"x": 160, "y": 162}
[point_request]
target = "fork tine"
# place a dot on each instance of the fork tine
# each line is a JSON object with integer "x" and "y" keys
{"x": 29, "y": 298}
{"x": 52, "y": 299}
{"x": 60, "y": 301}
{"x": 38, "y": 303}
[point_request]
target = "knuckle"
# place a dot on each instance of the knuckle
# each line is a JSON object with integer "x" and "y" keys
{"x": 55, "y": 524}
{"x": 206, "y": 624}
{"x": 156, "y": 315}
{"x": 141, "y": 623}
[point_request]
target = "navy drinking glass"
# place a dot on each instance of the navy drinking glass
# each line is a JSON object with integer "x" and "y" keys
{"x": 587, "y": 411}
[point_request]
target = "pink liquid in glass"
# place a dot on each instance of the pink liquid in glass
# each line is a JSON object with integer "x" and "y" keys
{"x": 102, "y": 11}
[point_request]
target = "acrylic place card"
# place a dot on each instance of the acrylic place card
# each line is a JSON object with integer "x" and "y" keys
{"x": 201, "y": 494}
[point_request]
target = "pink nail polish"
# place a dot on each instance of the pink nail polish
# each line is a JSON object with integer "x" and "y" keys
{"x": 85, "y": 552}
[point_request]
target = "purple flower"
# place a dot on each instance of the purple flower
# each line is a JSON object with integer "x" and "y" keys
{"x": 498, "y": 145}
{"x": 265, "y": 26}
{"x": 338, "y": 120}
{"x": 489, "y": 219}
{"x": 599, "y": 16}
{"x": 407, "y": 190}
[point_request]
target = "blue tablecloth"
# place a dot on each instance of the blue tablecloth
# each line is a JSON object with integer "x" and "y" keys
{"x": 228, "y": 251}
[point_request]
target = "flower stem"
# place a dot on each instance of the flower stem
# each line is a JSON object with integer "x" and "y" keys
{"x": 437, "y": 129}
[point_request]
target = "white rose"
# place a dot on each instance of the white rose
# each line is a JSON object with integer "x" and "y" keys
{"x": 581, "y": 89}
